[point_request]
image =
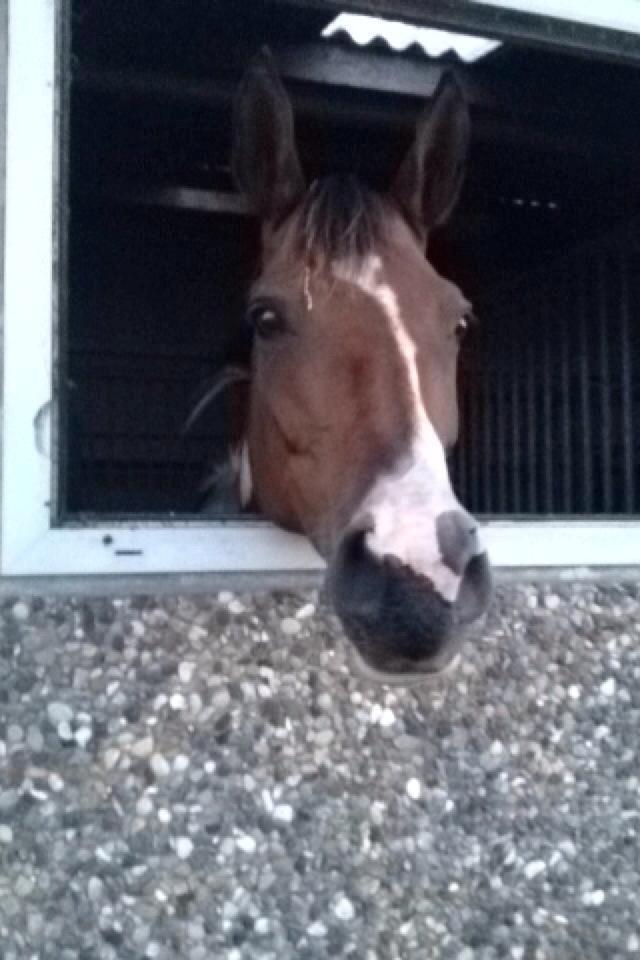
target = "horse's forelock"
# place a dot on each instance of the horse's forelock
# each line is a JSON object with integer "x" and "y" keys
{"x": 340, "y": 220}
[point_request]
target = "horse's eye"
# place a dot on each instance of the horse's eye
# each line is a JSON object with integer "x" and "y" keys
{"x": 463, "y": 325}
{"x": 265, "y": 320}
{"x": 461, "y": 329}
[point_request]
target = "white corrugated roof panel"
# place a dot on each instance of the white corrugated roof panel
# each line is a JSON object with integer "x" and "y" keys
{"x": 363, "y": 30}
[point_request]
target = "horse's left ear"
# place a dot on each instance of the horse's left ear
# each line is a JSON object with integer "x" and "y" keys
{"x": 264, "y": 157}
{"x": 429, "y": 180}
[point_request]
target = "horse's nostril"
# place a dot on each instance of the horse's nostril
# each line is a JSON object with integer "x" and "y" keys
{"x": 393, "y": 562}
{"x": 475, "y": 589}
{"x": 457, "y": 535}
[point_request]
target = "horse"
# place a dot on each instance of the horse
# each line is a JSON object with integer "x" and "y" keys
{"x": 352, "y": 401}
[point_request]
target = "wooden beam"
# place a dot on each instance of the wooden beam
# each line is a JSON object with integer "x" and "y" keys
{"x": 549, "y": 124}
{"x": 180, "y": 198}
{"x": 336, "y": 65}
{"x": 210, "y": 94}
{"x": 553, "y": 95}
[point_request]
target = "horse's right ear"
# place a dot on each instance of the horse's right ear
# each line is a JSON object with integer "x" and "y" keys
{"x": 264, "y": 157}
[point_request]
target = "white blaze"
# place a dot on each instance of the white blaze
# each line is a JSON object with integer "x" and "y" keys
{"x": 404, "y": 505}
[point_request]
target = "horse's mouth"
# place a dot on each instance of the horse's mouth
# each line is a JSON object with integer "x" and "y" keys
{"x": 404, "y": 678}
{"x": 444, "y": 663}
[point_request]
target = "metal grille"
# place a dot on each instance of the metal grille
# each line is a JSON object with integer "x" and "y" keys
{"x": 129, "y": 451}
{"x": 147, "y": 331}
{"x": 550, "y": 389}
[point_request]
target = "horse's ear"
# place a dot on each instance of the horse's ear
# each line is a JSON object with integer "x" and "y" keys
{"x": 428, "y": 182}
{"x": 264, "y": 157}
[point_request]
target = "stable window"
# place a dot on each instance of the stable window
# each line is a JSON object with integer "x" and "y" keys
{"x": 128, "y": 251}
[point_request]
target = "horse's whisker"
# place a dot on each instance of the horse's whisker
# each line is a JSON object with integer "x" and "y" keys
{"x": 224, "y": 379}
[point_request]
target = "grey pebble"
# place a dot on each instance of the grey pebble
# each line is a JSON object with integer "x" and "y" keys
{"x": 82, "y": 736}
{"x": 306, "y": 611}
{"x": 183, "y": 847}
{"x": 20, "y": 610}
{"x": 221, "y": 700}
{"x": 324, "y": 737}
{"x": 24, "y": 885}
{"x": 95, "y": 888}
{"x": 111, "y": 757}
{"x": 6, "y": 833}
{"x": 283, "y": 812}
{"x": 34, "y": 739}
{"x": 14, "y": 733}
{"x": 160, "y": 765}
{"x": 186, "y": 670}
{"x": 288, "y": 810}
{"x": 142, "y": 747}
{"x": 59, "y": 713}
{"x": 8, "y": 799}
{"x": 197, "y": 634}
{"x": 144, "y": 806}
{"x": 81, "y": 678}
{"x": 56, "y": 783}
{"x": 64, "y": 731}
{"x": 343, "y": 908}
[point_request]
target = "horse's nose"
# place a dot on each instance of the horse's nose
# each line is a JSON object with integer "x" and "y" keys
{"x": 457, "y": 534}
{"x": 395, "y": 617}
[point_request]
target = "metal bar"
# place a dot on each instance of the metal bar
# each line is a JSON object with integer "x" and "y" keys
{"x": 487, "y": 503}
{"x": 467, "y": 447}
{"x": 605, "y": 385}
{"x": 532, "y": 417}
{"x": 500, "y": 441}
{"x": 111, "y": 471}
{"x": 185, "y": 198}
{"x": 565, "y": 378}
{"x": 585, "y": 399}
{"x": 460, "y": 454}
{"x": 474, "y": 430}
{"x": 516, "y": 369}
{"x": 628, "y": 436}
{"x": 547, "y": 405}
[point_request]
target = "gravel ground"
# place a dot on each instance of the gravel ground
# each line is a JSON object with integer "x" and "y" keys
{"x": 198, "y": 777}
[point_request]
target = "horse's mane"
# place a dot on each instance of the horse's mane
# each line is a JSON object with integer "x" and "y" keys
{"x": 341, "y": 219}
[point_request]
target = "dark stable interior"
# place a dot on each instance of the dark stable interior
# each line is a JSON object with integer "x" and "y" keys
{"x": 545, "y": 242}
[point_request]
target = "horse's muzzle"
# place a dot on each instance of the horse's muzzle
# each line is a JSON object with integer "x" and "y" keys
{"x": 399, "y": 624}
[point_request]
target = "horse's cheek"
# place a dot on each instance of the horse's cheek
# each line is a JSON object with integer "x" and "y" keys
{"x": 272, "y": 476}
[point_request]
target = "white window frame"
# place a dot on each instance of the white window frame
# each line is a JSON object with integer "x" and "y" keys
{"x": 30, "y": 543}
